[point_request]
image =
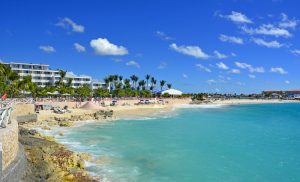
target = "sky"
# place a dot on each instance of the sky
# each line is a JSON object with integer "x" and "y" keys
{"x": 232, "y": 46}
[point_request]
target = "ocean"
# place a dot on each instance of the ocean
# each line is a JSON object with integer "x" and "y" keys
{"x": 214, "y": 143}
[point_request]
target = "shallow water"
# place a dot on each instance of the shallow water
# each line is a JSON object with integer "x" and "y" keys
{"x": 249, "y": 143}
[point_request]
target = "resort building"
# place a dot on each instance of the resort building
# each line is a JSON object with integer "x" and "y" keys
{"x": 43, "y": 76}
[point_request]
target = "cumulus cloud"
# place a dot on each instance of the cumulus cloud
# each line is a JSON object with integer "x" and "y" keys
{"x": 231, "y": 39}
{"x": 79, "y": 47}
{"x": 237, "y": 17}
{"x": 250, "y": 68}
{"x": 184, "y": 75}
{"x": 287, "y": 82}
{"x": 220, "y": 55}
{"x": 47, "y": 49}
{"x": 201, "y": 67}
{"x": 288, "y": 23}
{"x": 271, "y": 44}
{"x": 162, "y": 65}
{"x": 211, "y": 81}
{"x": 295, "y": 51}
{"x": 133, "y": 63}
{"x": 278, "y": 70}
{"x": 235, "y": 71}
{"x": 194, "y": 51}
{"x": 103, "y": 47}
{"x": 222, "y": 66}
{"x": 163, "y": 35}
{"x": 251, "y": 76}
{"x": 68, "y": 23}
{"x": 267, "y": 29}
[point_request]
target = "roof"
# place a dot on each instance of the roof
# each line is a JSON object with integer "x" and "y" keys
{"x": 172, "y": 92}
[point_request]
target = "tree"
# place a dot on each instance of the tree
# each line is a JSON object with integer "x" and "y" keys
{"x": 134, "y": 79}
{"x": 162, "y": 84}
{"x": 153, "y": 83}
{"x": 169, "y": 86}
{"x": 62, "y": 75}
{"x": 84, "y": 91}
{"x": 101, "y": 92}
{"x": 69, "y": 83}
{"x": 142, "y": 84}
{"x": 147, "y": 80}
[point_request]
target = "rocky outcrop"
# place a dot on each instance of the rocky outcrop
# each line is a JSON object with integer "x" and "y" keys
{"x": 98, "y": 115}
{"x": 50, "y": 161}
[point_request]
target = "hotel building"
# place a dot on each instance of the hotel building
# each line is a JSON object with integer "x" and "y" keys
{"x": 43, "y": 76}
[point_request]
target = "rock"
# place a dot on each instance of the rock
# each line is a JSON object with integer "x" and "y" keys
{"x": 69, "y": 177}
{"x": 61, "y": 133}
{"x": 65, "y": 124}
{"x": 49, "y": 138}
{"x": 81, "y": 164}
{"x": 32, "y": 132}
{"x": 85, "y": 156}
{"x": 46, "y": 128}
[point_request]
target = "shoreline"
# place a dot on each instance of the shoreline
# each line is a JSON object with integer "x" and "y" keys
{"x": 128, "y": 112}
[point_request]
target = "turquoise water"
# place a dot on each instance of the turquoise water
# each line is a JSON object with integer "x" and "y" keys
{"x": 241, "y": 143}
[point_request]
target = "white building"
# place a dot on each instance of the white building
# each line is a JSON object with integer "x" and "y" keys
{"x": 43, "y": 76}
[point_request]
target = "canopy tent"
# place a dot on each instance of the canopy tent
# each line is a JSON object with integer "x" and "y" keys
{"x": 172, "y": 92}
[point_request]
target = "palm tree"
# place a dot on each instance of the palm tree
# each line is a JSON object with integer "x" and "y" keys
{"x": 169, "y": 86}
{"x": 111, "y": 79}
{"x": 147, "y": 79}
{"x": 142, "y": 84}
{"x": 127, "y": 83}
{"x": 134, "y": 79}
{"x": 62, "y": 75}
{"x": 70, "y": 81}
{"x": 162, "y": 84}
{"x": 153, "y": 83}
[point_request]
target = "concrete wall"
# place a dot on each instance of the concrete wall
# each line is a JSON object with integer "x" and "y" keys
{"x": 27, "y": 118}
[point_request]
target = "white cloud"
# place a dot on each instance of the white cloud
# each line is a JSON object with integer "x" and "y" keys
{"x": 278, "y": 70}
{"x": 211, "y": 81}
{"x": 271, "y": 44}
{"x": 220, "y": 55}
{"x": 295, "y": 51}
{"x": 237, "y": 17}
{"x": 233, "y": 54}
{"x": 287, "y": 23}
{"x": 47, "y": 49}
{"x": 104, "y": 48}
{"x": 231, "y": 39}
{"x": 184, "y": 75}
{"x": 267, "y": 29}
{"x": 222, "y": 66}
{"x": 201, "y": 67}
{"x": 235, "y": 71}
{"x": 162, "y": 65}
{"x": 163, "y": 35}
{"x": 252, "y": 76}
{"x": 68, "y": 23}
{"x": 79, "y": 47}
{"x": 133, "y": 63}
{"x": 194, "y": 51}
{"x": 287, "y": 82}
{"x": 250, "y": 68}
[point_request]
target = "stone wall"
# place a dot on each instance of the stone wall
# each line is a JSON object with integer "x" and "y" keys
{"x": 10, "y": 143}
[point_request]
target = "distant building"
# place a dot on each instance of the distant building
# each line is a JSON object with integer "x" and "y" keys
{"x": 289, "y": 94}
{"x": 43, "y": 76}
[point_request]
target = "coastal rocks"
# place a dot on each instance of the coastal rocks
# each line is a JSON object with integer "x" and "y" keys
{"x": 65, "y": 124}
{"x": 98, "y": 115}
{"x": 50, "y": 161}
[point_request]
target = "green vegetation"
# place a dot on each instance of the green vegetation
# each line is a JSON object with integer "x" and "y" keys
{"x": 116, "y": 86}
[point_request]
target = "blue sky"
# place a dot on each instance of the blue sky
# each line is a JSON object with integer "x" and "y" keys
{"x": 208, "y": 46}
